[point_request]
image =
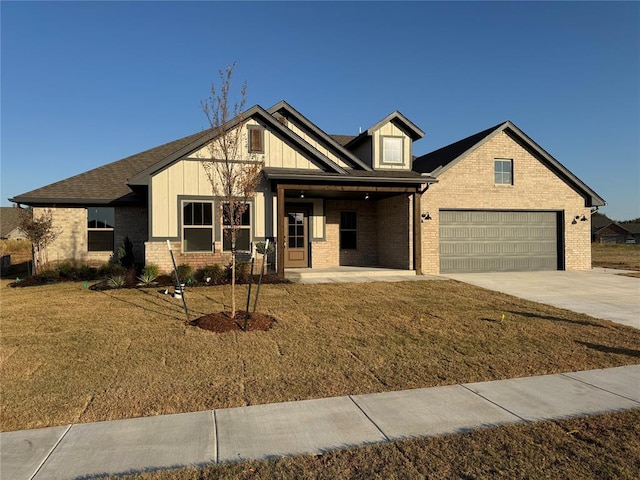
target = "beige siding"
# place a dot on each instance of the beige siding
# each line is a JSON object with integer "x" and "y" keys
{"x": 317, "y": 145}
{"x": 187, "y": 178}
{"x": 276, "y": 152}
{"x": 470, "y": 185}
{"x": 389, "y": 129}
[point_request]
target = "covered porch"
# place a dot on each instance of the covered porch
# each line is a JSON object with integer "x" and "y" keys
{"x": 340, "y": 229}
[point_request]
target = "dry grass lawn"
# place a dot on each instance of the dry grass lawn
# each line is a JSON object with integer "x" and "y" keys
{"x": 72, "y": 355}
{"x": 619, "y": 256}
{"x": 599, "y": 447}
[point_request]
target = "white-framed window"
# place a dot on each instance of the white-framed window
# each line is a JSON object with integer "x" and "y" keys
{"x": 243, "y": 233}
{"x": 392, "y": 150}
{"x": 256, "y": 139}
{"x": 100, "y": 229}
{"x": 197, "y": 226}
{"x": 348, "y": 231}
{"x": 503, "y": 171}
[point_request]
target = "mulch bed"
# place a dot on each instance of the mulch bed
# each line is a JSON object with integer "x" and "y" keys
{"x": 222, "y": 322}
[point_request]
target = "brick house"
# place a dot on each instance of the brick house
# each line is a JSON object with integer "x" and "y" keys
{"x": 493, "y": 201}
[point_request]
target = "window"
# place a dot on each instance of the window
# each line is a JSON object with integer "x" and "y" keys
{"x": 392, "y": 150}
{"x": 503, "y": 172}
{"x": 348, "y": 231}
{"x": 197, "y": 227}
{"x": 100, "y": 229}
{"x": 256, "y": 139}
{"x": 243, "y": 233}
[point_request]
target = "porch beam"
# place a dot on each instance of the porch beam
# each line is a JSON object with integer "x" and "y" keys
{"x": 280, "y": 235}
{"x": 417, "y": 233}
{"x": 348, "y": 188}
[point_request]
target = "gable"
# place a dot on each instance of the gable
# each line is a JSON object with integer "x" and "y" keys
{"x": 470, "y": 182}
{"x": 277, "y": 151}
{"x": 440, "y": 161}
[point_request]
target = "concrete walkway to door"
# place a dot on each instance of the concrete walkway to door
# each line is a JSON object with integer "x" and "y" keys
{"x": 601, "y": 293}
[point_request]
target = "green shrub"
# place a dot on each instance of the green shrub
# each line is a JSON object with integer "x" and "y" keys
{"x": 242, "y": 271}
{"x": 149, "y": 275}
{"x": 111, "y": 269}
{"x": 215, "y": 274}
{"x": 116, "y": 281}
{"x": 86, "y": 272}
{"x": 66, "y": 270}
{"x": 185, "y": 273}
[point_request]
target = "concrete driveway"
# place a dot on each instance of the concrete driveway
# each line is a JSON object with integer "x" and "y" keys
{"x": 600, "y": 293}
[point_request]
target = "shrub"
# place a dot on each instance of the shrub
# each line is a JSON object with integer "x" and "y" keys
{"x": 215, "y": 274}
{"x": 148, "y": 276}
{"x": 242, "y": 271}
{"x": 185, "y": 273}
{"x": 111, "y": 269}
{"x": 116, "y": 281}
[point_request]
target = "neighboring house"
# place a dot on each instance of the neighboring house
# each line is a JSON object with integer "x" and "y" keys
{"x": 9, "y": 221}
{"x": 493, "y": 201}
{"x": 605, "y": 230}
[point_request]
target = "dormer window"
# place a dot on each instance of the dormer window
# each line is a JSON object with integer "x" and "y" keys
{"x": 392, "y": 150}
{"x": 256, "y": 139}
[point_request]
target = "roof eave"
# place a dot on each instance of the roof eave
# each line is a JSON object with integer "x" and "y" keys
{"x": 282, "y": 105}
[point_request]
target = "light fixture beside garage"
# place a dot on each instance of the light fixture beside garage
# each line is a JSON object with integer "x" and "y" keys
{"x": 425, "y": 216}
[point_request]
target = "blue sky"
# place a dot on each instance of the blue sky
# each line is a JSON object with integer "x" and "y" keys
{"x": 87, "y": 83}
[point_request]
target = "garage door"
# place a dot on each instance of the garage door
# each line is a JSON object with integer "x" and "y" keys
{"x": 498, "y": 241}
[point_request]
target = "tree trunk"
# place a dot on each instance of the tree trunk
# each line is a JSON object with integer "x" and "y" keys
{"x": 233, "y": 280}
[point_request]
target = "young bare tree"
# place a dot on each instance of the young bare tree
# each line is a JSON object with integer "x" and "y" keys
{"x": 41, "y": 232}
{"x": 233, "y": 172}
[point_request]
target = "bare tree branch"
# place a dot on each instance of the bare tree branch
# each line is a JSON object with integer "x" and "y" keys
{"x": 233, "y": 174}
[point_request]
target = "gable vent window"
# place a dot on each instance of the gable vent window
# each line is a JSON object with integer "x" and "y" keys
{"x": 100, "y": 229}
{"x": 503, "y": 170}
{"x": 392, "y": 150}
{"x": 197, "y": 226}
{"x": 256, "y": 139}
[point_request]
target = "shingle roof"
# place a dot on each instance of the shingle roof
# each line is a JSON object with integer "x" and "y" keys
{"x": 440, "y": 160}
{"x": 342, "y": 139}
{"x": 105, "y": 184}
{"x": 445, "y": 155}
{"x": 9, "y": 220}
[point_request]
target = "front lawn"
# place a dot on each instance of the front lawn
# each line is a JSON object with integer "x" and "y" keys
{"x": 72, "y": 355}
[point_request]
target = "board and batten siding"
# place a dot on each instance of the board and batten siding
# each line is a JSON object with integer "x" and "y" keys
{"x": 276, "y": 152}
{"x": 187, "y": 178}
{"x": 390, "y": 130}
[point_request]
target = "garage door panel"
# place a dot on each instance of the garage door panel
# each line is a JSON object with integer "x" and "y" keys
{"x": 477, "y": 241}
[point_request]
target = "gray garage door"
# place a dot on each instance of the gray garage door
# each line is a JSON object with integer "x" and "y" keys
{"x": 498, "y": 241}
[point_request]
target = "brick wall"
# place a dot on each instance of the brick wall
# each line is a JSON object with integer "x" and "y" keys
{"x": 71, "y": 243}
{"x": 158, "y": 253}
{"x": 327, "y": 253}
{"x": 395, "y": 235}
{"x": 470, "y": 185}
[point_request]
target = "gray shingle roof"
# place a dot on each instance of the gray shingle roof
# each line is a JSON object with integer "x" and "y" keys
{"x": 105, "y": 184}
{"x": 9, "y": 220}
{"x": 442, "y": 157}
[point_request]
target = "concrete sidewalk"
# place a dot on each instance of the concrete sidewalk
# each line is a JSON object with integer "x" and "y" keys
{"x": 308, "y": 427}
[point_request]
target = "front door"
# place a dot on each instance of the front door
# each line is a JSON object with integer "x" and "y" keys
{"x": 296, "y": 240}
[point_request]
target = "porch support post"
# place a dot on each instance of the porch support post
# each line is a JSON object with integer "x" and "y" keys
{"x": 280, "y": 235}
{"x": 417, "y": 233}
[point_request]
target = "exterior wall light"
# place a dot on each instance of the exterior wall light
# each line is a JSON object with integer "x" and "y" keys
{"x": 425, "y": 216}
